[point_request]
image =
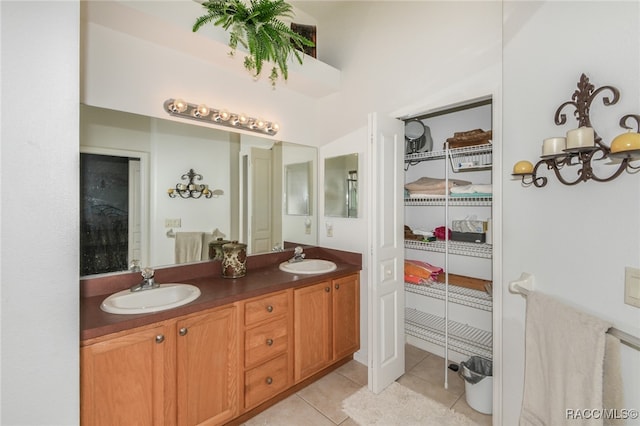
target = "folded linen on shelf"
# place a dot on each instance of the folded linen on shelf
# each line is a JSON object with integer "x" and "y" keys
{"x": 425, "y": 194}
{"x": 428, "y": 185}
{"x": 421, "y": 269}
{"x": 473, "y": 188}
{"x": 472, "y": 195}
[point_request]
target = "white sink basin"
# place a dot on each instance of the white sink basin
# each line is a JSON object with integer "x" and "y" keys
{"x": 165, "y": 297}
{"x": 308, "y": 266}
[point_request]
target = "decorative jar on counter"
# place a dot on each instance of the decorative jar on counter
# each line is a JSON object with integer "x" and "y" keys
{"x": 234, "y": 260}
{"x": 215, "y": 249}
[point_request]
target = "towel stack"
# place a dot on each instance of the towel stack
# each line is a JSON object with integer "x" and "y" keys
{"x": 417, "y": 272}
{"x": 427, "y": 186}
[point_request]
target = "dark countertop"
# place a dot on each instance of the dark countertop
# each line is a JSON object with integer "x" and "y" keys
{"x": 263, "y": 277}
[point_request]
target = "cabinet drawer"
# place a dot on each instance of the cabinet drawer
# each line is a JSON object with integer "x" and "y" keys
{"x": 261, "y": 383}
{"x": 270, "y": 306}
{"x": 265, "y": 341}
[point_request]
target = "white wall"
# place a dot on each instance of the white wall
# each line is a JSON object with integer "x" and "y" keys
{"x": 576, "y": 240}
{"x": 403, "y": 58}
{"x": 177, "y": 148}
{"x": 39, "y": 234}
{"x": 156, "y": 60}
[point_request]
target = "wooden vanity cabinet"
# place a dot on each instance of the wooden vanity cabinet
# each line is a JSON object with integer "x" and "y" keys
{"x": 221, "y": 364}
{"x": 208, "y": 383}
{"x": 123, "y": 378}
{"x": 267, "y": 347}
{"x": 327, "y": 324}
{"x": 346, "y": 316}
{"x": 183, "y": 372}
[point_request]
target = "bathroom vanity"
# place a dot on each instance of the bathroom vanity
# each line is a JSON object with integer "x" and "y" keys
{"x": 242, "y": 346}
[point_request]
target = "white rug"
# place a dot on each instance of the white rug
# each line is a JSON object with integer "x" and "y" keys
{"x": 398, "y": 405}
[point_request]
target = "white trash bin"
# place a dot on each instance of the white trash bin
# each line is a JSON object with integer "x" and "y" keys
{"x": 480, "y": 396}
{"x": 477, "y": 373}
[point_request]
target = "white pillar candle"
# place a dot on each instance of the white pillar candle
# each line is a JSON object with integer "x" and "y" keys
{"x": 580, "y": 138}
{"x": 552, "y": 146}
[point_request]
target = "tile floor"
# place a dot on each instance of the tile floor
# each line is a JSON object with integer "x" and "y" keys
{"x": 319, "y": 404}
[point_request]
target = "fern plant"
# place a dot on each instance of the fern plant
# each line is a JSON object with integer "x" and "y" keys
{"x": 258, "y": 28}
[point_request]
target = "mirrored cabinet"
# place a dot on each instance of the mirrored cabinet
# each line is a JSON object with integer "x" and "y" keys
{"x": 341, "y": 186}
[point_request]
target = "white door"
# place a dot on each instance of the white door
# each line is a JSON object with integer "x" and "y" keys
{"x": 261, "y": 197}
{"x": 386, "y": 292}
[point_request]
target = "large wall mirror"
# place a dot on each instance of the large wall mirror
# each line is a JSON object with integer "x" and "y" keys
{"x": 341, "y": 186}
{"x": 128, "y": 163}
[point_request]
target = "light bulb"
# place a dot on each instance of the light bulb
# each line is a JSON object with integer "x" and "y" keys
{"x": 275, "y": 127}
{"x": 179, "y": 105}
{"x": 260, "y": 123}
{"x": 243, "y": 119}
{"x": 224, "y": 115}
{"x": 201, "y": 111}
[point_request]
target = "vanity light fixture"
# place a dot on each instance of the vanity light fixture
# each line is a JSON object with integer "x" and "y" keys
{"x": 581, "y": 146}
{"x": 190, "y": 189}
{"x": 180, "y": 108}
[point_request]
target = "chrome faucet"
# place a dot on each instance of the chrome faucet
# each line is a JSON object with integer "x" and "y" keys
{"x": 148, "y": 282}
{"x": 298, "y": 255}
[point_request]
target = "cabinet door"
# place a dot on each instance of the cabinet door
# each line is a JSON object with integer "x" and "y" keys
{"x": 122, "y": 379}
{"x": 346, "y": 316}
{"x": 207, "y": 367}
{"x": 312, "y": 329}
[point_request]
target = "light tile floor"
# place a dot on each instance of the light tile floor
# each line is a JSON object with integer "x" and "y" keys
{"x": 320, "y": 404}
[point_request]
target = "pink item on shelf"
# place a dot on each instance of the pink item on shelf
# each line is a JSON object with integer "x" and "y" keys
{"x": 439, "y": 232}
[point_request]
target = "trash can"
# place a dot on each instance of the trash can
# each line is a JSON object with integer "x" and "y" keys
{"x": 477, "y": 373}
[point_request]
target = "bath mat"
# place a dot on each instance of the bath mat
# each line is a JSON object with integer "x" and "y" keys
{"x": 398, "y": 405}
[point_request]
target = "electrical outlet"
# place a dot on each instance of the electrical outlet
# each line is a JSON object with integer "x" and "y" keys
{"x": 173, "y": 223}
{"x": 632, "y": 286}
{"x": 329, "y": 229}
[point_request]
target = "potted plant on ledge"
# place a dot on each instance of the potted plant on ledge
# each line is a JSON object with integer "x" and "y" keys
{"x": 258, "y": 28}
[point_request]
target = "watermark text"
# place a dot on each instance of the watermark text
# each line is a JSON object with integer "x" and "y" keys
{"x": 601, "y": 413}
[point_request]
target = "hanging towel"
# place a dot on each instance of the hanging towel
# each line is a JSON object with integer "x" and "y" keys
{"x": 188, "y": 246}
{"x": 612, "y": 398}
{"x": 564, "y": 356}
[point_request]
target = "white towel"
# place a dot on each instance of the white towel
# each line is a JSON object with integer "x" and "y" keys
{"x": 472, "y": 189}
{"x": 564, "y": 356}
{"x": 188, "y": 246}
{"x": 613, "y": 398}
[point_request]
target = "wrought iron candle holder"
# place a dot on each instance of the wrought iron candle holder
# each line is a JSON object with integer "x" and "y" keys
{"x": 190, "y": 189}
{"x": 583, "y": 150}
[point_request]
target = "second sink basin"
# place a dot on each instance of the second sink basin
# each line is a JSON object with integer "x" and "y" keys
{"x": 308, "y": 266}
{"x": 165, "y": 297}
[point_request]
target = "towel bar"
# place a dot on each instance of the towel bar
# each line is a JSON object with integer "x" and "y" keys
{"x": 525, "y": 284}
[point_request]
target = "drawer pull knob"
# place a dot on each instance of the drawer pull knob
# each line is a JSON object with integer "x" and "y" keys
{"x": 159, "y": 338}
{"x": 269, "y": 380}
{"x": 269, "y": 342}
{"x": 183, "y": 331}
{"x": 337, "y": 286}
{"x": 327, "y": 289}
{"x": 269, "y": 308}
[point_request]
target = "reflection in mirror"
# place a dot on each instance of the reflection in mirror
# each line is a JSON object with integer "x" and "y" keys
{"x": 341, "y": 186}
{"x": 244, "y": 172}
{"x": 298, "y": 178}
